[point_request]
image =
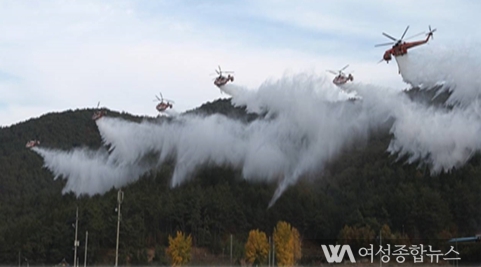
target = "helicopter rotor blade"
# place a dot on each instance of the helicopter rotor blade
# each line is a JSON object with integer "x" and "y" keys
{"x": 331, "y": 71}
{"x": 390, "y": 43}
{"x": 405, "y": 32}
{"x": 345, "y": 67}
{"x": 389, "y": 36}
{"x": 416, "y": 35}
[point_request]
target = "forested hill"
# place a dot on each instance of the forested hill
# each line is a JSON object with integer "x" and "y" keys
{"x": 363, "y": 187}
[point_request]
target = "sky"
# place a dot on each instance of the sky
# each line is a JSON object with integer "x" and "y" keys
{"x": 60, "y": 55}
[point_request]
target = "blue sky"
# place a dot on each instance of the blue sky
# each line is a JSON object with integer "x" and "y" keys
{"x": 58, "y": 55}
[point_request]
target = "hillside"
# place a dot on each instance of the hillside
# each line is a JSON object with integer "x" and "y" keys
{"x": 364, "y": 186}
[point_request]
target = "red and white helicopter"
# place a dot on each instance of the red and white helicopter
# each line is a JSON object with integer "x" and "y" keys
{"x": 164, "y": 103}
{"x": 32, "y": 143}
{"x": 222, "y": 80}
{"x": 400, "y": 47}
{"x": 98, "y": 113}
{"x": 341, "y": 77}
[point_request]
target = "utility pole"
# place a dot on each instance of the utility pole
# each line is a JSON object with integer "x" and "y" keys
{"x": 457, "y": 263}
{"x": 274, "y": 254}
{"x": 120, "y": 198}
{"x": 86, "y": 241}
{"x": 269, "y": 254}
{"x": 380, "y": 244}
{"x": 75, "y": 243}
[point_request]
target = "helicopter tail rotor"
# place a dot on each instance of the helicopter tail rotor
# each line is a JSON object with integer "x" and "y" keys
{"x": 431, "y": 31}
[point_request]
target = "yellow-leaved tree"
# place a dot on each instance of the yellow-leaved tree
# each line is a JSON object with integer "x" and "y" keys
{"x": 179, "y": 249}
{"x": 288, "y": 244}
{"x": 257, "y": 247}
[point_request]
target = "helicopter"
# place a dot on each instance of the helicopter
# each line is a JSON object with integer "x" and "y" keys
{"x": 222, "y": 80}
{"x": 164, "y": 103}
{"x": 341, "y": 77}
{"x": 32, "y": 143}
{"x": 401, "y": 47}
{"x": 98, "y": 113}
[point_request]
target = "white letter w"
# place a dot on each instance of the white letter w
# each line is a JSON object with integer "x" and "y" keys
{"x": 335, "y": 256}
